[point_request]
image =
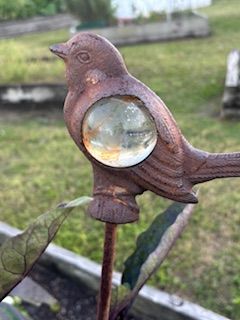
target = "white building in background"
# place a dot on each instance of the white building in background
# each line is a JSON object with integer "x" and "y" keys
{"x": 130, "y": 9}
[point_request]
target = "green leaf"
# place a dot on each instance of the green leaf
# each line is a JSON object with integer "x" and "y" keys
{"x": 18, "y": 254}
{"x": 153, "y": 246}
{"x": 119, "y": 293}
{"x": 8, "y": 312}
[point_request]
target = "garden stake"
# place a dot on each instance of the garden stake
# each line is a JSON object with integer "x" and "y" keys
{"x": 131, "y": 140}
{"x": 138, "y": 149}
{"x": 104, "y": 300}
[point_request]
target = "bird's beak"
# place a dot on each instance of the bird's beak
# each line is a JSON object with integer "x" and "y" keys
{"x": 60, "y": 50}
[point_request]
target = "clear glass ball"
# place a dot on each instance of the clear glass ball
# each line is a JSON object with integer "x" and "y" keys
{"x": 119, "y": 131}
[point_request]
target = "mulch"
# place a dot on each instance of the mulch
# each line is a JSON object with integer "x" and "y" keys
{"x": 76, "y": 300}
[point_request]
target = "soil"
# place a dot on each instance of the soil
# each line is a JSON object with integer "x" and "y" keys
{"x": 77, "y": 301}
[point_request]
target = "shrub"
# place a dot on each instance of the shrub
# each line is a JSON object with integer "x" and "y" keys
{"x": 20, "y": 9}
{"x": 92, "y": 10}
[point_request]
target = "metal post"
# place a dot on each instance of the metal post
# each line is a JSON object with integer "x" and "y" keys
{"x": 104, "y": 300}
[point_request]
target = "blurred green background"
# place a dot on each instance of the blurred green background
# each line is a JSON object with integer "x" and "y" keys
{"x": 41, "y": 166}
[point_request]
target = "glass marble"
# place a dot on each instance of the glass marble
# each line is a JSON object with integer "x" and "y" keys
{"x": 119, "y": 131}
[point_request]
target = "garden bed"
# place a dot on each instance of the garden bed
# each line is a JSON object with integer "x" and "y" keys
{"x": 37, "y": 24}
{"x": 32, "y": 96}
{"x": 76, "y": 300}
{"x": 184, "y": 26}
{"x": 59, "y": 268}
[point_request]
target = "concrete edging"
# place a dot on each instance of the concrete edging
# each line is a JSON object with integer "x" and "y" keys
{"x": 30, "y": 96}
{"x": 150, "y": 304}
{"x": 15, "y": 28}
{"x": 183, "y": 27}
{"x": 231, "y": 96}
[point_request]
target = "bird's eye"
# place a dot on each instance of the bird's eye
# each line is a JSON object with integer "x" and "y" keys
{"x": 83, "y": 57}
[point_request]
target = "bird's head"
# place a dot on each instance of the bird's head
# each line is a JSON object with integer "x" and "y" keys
{"x": 88, "y": 55}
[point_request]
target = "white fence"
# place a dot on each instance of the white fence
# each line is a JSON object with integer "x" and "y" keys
{"x": 177, "y": 5}
{"x": 128, "y": 9}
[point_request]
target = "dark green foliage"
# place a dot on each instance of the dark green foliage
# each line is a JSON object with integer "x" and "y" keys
{"x": 148, "y": 241}
{"x": 153, "y": 246}
{"x": 91, "y": 10}
{"x": 20, "y": 9}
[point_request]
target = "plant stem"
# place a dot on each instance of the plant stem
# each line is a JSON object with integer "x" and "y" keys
{"x": 107, "y": 270}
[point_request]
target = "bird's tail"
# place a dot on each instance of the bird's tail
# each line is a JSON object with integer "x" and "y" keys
{"x": 204, "y": 166}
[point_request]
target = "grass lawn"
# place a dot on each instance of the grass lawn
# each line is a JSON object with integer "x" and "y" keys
{"x": 41, "y": 166}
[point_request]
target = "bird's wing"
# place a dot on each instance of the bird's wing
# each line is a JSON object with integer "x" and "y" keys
{"x": 163, "y": 171}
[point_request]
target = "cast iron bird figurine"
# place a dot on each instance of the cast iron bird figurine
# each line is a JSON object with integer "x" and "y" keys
{"x": 95, "y": 70}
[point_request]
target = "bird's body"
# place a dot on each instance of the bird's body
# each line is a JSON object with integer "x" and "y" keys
{"x": 172, "y": 168}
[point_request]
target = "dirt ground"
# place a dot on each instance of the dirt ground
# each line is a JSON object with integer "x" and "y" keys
{"x": 77, "y": 302}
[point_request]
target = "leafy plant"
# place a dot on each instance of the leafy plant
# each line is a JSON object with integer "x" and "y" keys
{"x": 92, "y": 10}
{"x": 21, "y": 9}
{"x": 153, "y": 246}
{"x": 20, "y": 253}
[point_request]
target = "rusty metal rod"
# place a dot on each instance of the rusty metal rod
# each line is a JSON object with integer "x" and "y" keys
{"x": 104, "y": 300}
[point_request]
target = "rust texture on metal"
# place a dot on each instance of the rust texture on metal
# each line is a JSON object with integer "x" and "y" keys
{"x": 95, "y": 70}
{"x": 104, "y": 300}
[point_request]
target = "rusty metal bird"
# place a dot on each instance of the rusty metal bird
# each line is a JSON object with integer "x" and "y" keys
{"x": 95, "y": 71}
